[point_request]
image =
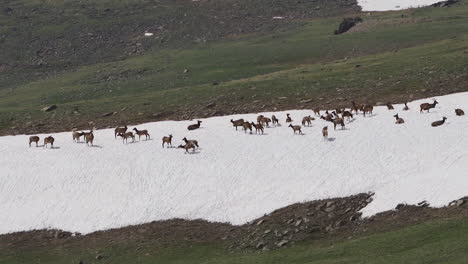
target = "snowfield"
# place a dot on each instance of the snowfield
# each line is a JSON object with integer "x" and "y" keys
{"x": 385, "y": 5}
{"x": 234, "y": 177}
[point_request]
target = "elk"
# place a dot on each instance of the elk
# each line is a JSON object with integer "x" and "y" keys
{"x": 126, "y": 135}
{"x": 427, "y": 106}
{"x": 236, "y": 123}
{"x": 338, "y": 121}
{"x": 89, "y": 138}
{"x": 327, "y": 117}
{"x": 296, "y": 128}
{"x": 399, "y": 120}
{"x": 316, "y": 111}
{"x": 367, "y": 109}
{"x": 265, "y": 121}
{"x": 325, "y": 133}
{"x": 49, "y": 140}
{"x": 259, "y": 118}
{"x": 390, "y": 106}
{"x": 76, "y": 135}
{"x": 258, "y": 127}
{"x": 459, "y": 112}
{"x": 34, "y": 139}
{"x": 142, "y": 133}
{"x": 307, "y": 120}
{"x": 247, "y": 125}
{"x": 347, "y": 114}
{"x": 187, "y": 147}
{"x": 120, "y": 130}
{"x": 167, "y": 141}
{"x": 356, "y": 107}
{"x": 439, "y": 123}
{"x": 191, "y": 141}
{"x": 406, "y": 108}
{"x": 288, "y": 119}
{"x": 194, "y": 126}
{"x": 275, "y": 120}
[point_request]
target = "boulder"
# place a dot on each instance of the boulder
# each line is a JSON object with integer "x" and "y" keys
{"x": 347, "y": 24}
{"x": 49, "y": 108}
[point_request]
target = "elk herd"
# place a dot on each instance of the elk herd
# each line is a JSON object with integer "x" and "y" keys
{"x": 337, "y": 117}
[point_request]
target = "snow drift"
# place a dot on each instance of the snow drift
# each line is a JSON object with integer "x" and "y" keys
{"x": 385, "y": 5}
{"x": 234, "y": 177}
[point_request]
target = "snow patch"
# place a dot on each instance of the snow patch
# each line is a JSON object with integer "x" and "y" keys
{"x": 385, "y": 5}
{"x": 234, "y": 177}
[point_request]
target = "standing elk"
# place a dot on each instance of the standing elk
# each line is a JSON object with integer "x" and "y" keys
{"x": 258, "y": 127}
{"x": 247, "y": 125}
{"x": 288, "y": 119}
{"x": 76, "y": 135}
{"x": 187, "y": 147}
{"x": 296, "y": 129}
{"x": 338, "y": 121}
{"x": 190, "y": 141}
{"x": 325, "y": 133}
{"x": 390, "y": 106}
{"x": 194, "y": 126}
{"x": 265, "y": 121}
{"x": 367, "y": 109}
{"x": 120, "y": 130}
{"x": 34, "y": 139}
{"x": 316, "y": 111}
{"x": 275, "y": 120}
{"x": 406, "y": 108}
{"x": 142, "y": 133}
{"x": 307, "y": 120}
{"x": 167, "y": 141}
{"x": 49, "y": 140}
{"x": 347, "y": 114}
{"x": 427, "y": 106}
{"x": 89, "y": 138}
{"x": 237, "y": 123}
{"x": 125, "y": 136}
{"x": 399, "y": 120}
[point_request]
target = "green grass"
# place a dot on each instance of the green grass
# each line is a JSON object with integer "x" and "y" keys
{"x": 443, "y": 241}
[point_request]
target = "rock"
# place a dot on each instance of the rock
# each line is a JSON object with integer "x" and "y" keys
{"x": 353, "y": 218}
{"x": 339, "y": 223}
{"x": 186, "y": 70}
{"x": 307, "y": 101}
{"x": 49, "y": 108}
{"x": 445, "y": 3}
{"x": 282, "y": 243}
{"x": 423, "y": 204}
{"x": 330, "y": 209}
{"x": 328, "y": 204}
{"x": 260, "y": 245}
{"x": 99, "y": 257}
{"x": 267, "y": 231}
{"x": 211, "y": 105}
{"x": 460, "y": 202}
{"x": 282, "y": 98}
{"x": 260, "y": 222}
{"x": 347, "y": 24}
{"x": 108, "y": 114}
{"x": 298, "y": 223}
{"x": 399, "y": 206}
{"x": 215, "y": 83}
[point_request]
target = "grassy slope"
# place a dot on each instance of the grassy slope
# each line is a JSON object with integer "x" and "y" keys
{"x": 401, "y": 53}
{"x": 443, "y": 241}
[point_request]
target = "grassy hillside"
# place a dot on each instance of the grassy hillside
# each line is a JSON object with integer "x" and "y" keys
{"x": 442, "y": 241}
{"x": 392, "y": 56}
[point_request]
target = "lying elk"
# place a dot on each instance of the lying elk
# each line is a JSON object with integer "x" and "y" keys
{"x": 258, "y": 127}
{"x": 307, "y": 120}
{"x": 120, "y": 130}
{"x": 427, "y": 106}
{"x": 439, "y": 123}
{"x": 275, "y": 120}
{"x": 327, "y": 117}
{"x": 338, "y": 121}
{"x": 194, "y": 126}
{"x": 187, "y": 147}
{"x": 296, "y": 129}
{"x": 347, "y": 114}
{"x": 49, "y": 140}
{"x": 142, "y": 133}
{"x": 288, "y": 119}
{"x": 76, "y": 135}
{"x": 167, "y": 141}
{"x": 390, "y": 106}
{"x": 406, "y": 108}
{"x": 368, "y": 109}
{"x": 325, "y": 133}
{"x": 238, "y": 122}
{"x": 34, "y": 139}
{"x": 126, "y": 135}
{"x": 247, "y": 125}
{"x": 190, "y": 141}
{"x": 399, "y": 120}
{"x": 459, "y": 112}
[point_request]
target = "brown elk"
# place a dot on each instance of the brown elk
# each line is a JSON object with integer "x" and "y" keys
{"x": 390, "y": 106}
{"x": 125, "y": 136}
{"x": 399, "y": 120}
{"x": 307, "y": 120}
{"x": 246, "y": 126}
{"x": 347, "y": 114}
{"x": 338, "y": 121}
{"x": 187, "y": 147}
{"x": 427, "y": 106}
{"x": 259, "y": 118}
{"x": 142, "y": 133}
{"x": 120, "y": 130}
{"x": 296, "y": 129}
{"x": 316, "y": 111}
{"x": 258, "y": 127}
{"x": 327, "y": 117}
{"x": 275, "y": 120}
{"x": 406, "y": 108}
{"x": 238, "y": 122}
{"x": 167, "y": 141}
{"x": 439, "y": 123}
{"x": 89, "y": 137}
{"x": 191, "y": 141}
{"x": 288, "y": 119}
{"x": 49, "y": 140}
{"x": 325, "y": 133}
{"x": 265, "y": 121}
{"x": 76, "y": 135}
{"x": 459, "y": 112}
{"x": 356, "y": 107}
{"x": 34, "y": 139}
{"x": 367, "y": 109}
{"x": 194, "y": 126}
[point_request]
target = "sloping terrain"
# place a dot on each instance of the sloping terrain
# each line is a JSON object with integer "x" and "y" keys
{"x": 234, "y": 176}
